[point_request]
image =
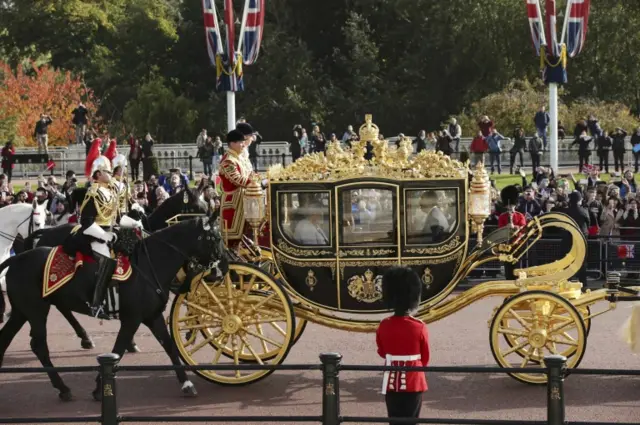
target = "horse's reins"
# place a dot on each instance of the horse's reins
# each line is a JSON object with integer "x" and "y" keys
{"x": 10, "y": 237}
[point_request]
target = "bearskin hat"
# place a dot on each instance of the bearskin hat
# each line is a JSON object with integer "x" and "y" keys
{"x": 509, "y": 195}
{"x": 401, "y": 289}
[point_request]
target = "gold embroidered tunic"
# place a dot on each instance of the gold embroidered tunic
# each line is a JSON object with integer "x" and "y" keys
{"x": 100, "y": 205}
{"x": 235, "y": 175}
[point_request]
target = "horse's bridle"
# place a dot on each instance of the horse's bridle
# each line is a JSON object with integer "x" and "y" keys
{"x": 192, "y": 263}
{"x": 10, "y": 237}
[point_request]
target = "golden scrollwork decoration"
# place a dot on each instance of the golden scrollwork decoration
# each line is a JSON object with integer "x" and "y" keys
{"x": 434, "y": 261}
{"x": 301, "y": 252}
{"x": 451, "y": 245}
{"x": 367, "y": 288}
{"x": 324, "y": 264}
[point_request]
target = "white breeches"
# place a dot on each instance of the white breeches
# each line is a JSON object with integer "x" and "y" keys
{"x": 101, "y": 248}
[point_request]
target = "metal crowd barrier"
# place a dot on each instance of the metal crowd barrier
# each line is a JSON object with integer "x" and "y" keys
{"x": 331, "y": 365}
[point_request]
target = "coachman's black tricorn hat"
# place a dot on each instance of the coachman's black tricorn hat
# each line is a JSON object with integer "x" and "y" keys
{"x": 509, "y": 195}
{"x": 401, "y": 290}
{"x": 235, "y": 136}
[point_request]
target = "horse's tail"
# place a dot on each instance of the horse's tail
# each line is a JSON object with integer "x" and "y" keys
{"x": 29, "y": 242}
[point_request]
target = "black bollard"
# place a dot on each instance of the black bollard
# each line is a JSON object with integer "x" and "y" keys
{"x": 108, "y": 363}
{"x": 284, "y": 160}
{"x": 556, "y": 370}
{"x": 330, "y": 388}
{"x": 191, "y": 167}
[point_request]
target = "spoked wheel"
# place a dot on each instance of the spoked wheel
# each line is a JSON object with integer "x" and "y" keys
{"x": 514, "y": 340}
{"x": 532, "y": 325}
{"x": 247, "y": 316}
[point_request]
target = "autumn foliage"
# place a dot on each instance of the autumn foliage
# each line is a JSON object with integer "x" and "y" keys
{"x": 27, "y": 92}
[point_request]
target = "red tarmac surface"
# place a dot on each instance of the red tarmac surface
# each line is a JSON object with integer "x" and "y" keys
{"x": 461, "y": 339}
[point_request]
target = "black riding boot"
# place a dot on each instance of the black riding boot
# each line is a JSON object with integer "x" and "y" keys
{"x": 106, "y": 267}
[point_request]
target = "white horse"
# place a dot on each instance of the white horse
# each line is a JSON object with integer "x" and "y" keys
{"x": 18, "y": 219}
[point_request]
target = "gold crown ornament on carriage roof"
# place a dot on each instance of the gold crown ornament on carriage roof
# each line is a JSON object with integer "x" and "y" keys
{"x": 392, "y": 162}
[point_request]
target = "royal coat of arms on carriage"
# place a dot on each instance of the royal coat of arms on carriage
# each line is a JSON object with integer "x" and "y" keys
{"x": 367, "y": 288}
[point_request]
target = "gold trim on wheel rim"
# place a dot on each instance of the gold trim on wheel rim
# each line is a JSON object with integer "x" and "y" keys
{"x": 246, "y": 315}
{"x": 539, "y": 324}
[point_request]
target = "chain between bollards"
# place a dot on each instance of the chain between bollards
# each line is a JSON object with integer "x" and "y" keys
{"x": 556, "y": 371}
{"x": 330, "y": 388}
{"x": 108, "y": 363}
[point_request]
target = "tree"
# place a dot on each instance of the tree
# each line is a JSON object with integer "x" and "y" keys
{"x": 30, "y": 91}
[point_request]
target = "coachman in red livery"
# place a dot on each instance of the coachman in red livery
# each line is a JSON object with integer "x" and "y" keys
{"x": 403, "y": 341}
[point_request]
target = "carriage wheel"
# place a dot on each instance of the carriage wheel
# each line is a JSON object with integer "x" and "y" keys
{"x": 246, "y": 315}
{"x": 538, "y": 323}
{"x": 514, "y": 340}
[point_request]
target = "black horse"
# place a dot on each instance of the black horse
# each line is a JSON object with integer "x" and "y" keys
{"x": 186, "y": 202}
{"x": 142, "y": 298}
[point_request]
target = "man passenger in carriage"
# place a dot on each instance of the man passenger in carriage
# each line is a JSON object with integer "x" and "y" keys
{"x": 436, "y": 226}
{"x": 309, "y": 230}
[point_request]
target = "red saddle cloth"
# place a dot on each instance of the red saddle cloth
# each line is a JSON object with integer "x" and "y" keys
{"x": 60, "y": 269}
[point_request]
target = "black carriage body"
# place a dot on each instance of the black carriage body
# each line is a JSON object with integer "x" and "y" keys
{"x": 340, "y": 266}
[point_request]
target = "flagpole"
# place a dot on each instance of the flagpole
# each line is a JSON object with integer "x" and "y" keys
{"x": 553, "y": 115}
{"x": 243, "y": 25}
{"x": 566, "y": 22}
{"x": 231, "y": 110}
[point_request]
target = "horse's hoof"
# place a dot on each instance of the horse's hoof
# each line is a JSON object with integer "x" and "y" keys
{"x": 87, "y": 344}
{"x": 65, "y": 396}
{"x": 97, "y": 395}
{"x": 133, "y": 348}
{"x": 189, "y": 389}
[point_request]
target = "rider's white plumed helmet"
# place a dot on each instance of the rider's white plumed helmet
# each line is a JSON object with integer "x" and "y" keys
{"x": 101, "y": 164}
{"x": 120, "y": 160}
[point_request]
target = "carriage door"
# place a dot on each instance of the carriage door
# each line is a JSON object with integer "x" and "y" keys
{"x": 368, "y": 242}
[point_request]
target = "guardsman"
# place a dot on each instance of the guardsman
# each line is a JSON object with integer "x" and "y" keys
{"x": 512, "y": 219}
{"x": 120, "y": 182}
{"x": 98, "y": 215}
{"x": 235, "y": 175}
{"x": 403, "y": 341}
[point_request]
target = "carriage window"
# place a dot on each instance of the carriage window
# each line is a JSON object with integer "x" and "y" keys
{"x": 368, "y": 217}
{"x": 432, "y": 215}
{"x": 305, "y": 218}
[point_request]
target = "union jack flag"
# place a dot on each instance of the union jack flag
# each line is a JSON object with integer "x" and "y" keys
{"x": 550, "y": 17}
{"x": 214, "y": 46}
{"x": 577, "y": 26}
{"x": 253, "y": 28}
{"x": 535, "y": 24}
{"x": 626, "y": 251}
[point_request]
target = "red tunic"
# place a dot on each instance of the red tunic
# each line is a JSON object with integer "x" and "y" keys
{"x": 403, "y": 341}
{"x": 234, "y": 178}
{"x": 518, "y": 219}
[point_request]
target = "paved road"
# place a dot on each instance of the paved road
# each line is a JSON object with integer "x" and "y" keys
{"x": 461, "y": 339}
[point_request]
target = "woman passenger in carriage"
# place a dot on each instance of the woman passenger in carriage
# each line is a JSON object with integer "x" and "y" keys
{"x": 403, "y": 341}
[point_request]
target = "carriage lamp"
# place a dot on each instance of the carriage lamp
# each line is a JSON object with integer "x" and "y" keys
{"x": 254, "y": 207}
{"x": 479, "y": 200}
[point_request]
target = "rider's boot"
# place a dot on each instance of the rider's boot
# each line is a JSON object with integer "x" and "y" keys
{"x": 106, "y": 267}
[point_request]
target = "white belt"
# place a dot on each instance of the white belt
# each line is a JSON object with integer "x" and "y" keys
{"x": 390, "y": 359}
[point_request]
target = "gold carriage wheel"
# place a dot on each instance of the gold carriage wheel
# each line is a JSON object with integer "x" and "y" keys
{"x": 246, "y": 313}
{"x": 541, "y": 323}
{"x": 526, "y": 351}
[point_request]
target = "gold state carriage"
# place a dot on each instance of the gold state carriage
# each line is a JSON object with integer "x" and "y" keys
{"x": 337, "y": 222}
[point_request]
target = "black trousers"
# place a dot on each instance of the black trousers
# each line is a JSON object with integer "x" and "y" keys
{"x": 604, "y": 161}
{"x": 535, "y": 160}
{"x": 513, "y": 159}
{"x": 8, "y": 172}
{"x": 403, "y": 405}
{"x": 618, "y": 160}
{"x": 636, "y": 156}
{"x": 135, "y": 169}
{"x": 583, "y": 159}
